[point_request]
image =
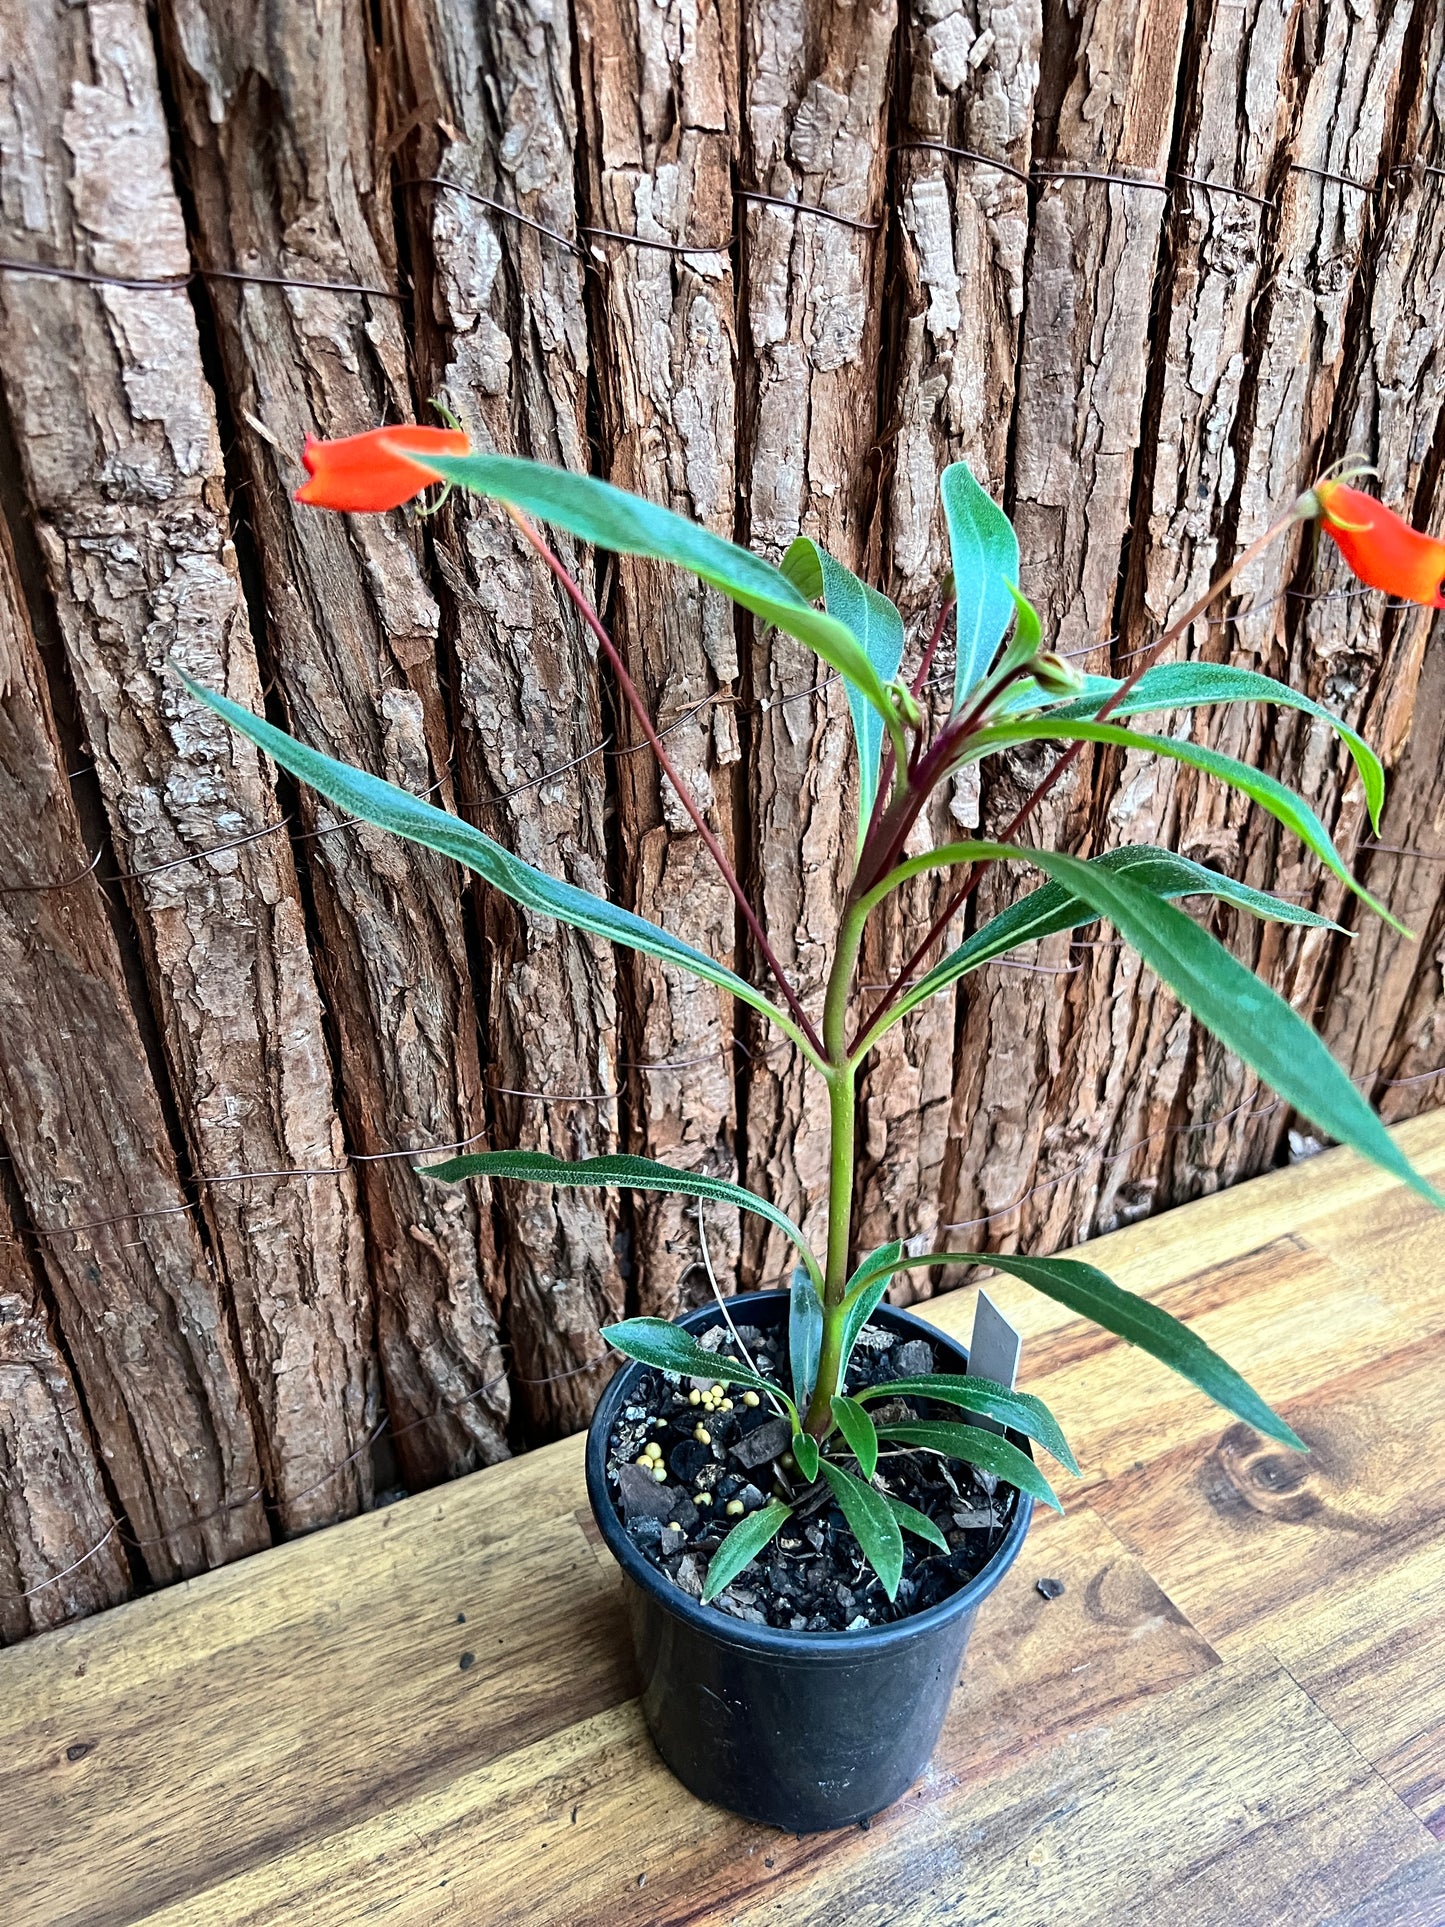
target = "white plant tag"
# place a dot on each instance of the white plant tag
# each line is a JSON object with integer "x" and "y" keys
{"x": 993, "y": 1351}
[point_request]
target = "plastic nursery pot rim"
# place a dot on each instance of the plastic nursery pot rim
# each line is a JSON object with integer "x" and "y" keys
{"x": 781, "y": 1641}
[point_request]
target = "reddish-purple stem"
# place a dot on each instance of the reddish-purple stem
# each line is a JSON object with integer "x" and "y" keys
{"x": 689, "y": 802}
{"x": 975, "y": 871}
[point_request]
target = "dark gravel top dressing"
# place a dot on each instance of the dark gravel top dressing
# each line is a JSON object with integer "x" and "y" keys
{"x": 812, "y": 1577}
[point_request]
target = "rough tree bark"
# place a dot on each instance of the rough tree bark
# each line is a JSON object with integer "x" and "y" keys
{"x": 153, "y": 1349}
{"x": 813, "y": 134}
{"x": 122, "y": 463}
{"x": 275, "y": 108}
{"x": 1105, "y": 106}
{"x": 659, "y": 100}
{"x": 968, "y": 81}
{"x": 503, "y": 336}
{"x": 53, "y": 1504}
{"x": 1144, "y": 369}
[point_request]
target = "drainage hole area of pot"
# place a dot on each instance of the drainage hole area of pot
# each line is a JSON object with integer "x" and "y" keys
{"x": 812, "y": 1576}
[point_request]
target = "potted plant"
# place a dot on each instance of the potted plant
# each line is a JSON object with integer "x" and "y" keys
{"x": 808, "y": 1491}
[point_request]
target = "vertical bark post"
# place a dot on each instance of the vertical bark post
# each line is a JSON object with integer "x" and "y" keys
{"x": 279, "y": 142}
{"x": 502, "y": 335}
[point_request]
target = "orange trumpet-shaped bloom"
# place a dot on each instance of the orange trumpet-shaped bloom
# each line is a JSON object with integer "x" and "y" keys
{"x": 378, "y": 470}
{"x": 1381, "y": 549}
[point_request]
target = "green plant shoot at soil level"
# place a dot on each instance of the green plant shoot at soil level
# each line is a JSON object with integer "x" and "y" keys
{"x": 1008, "y": 688}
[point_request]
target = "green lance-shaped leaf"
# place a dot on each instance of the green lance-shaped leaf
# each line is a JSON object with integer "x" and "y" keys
{"x": 405, "y": 815}
{"x": 985, "y": 554}
{"x": 1245, "y": 1015}
{"x": 858, "y": 1434}
{"x": 626, "y": 1174}
{"x": 877, "y": 628}
{"x": 612, "y": 519}
{"x": 668, "y": 1348}
{"x": 805, "y": 1334}
{"x": 872, "y": 1523}
{"x": 918, "y": 1523}
{"x": 805, "y": 1452}
{"x": 974, "y": 1446}
{"x": 1282, "y": 803}
{"x": 1051, "y": 908}
{"x": 1188, "y": 685}
{"x": 863, "y": 1295}
{"x": 1092, "y": 1294}
{"x": 742, "y": 1546}
{"x": 1020, "y": 1411}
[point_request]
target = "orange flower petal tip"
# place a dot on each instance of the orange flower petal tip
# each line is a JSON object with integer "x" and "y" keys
{"x": 378, "y": 470}
{"x": 1382, "y": 550}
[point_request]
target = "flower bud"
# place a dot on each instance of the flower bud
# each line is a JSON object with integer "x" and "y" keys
{"x": 1054, "y": 675}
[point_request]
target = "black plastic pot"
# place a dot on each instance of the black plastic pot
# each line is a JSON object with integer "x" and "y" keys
{"x": 800, "y": 1730}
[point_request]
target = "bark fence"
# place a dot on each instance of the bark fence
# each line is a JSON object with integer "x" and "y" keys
{"x": 1145, "y": 264}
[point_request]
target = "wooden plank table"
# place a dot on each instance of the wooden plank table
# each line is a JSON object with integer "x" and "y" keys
{"x": 1234, "y": 1715}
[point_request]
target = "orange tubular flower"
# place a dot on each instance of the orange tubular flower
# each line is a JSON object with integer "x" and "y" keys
{"x": 1381, "y": 549}
{"x": 378, "y": 470}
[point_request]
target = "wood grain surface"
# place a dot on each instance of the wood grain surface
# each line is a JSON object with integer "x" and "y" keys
{"x": 1234, "y": 1715}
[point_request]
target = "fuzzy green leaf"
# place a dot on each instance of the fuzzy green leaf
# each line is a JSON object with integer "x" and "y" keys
{"x": 1020, "y": 1411}
{"x": 805, "y": 1451}
{"x": 878, "y": 629}
{"x": 742, "y": 1546}
{"x": 668, "y": 1348}
{"x": 1187, "y": 685}
{"x": 985, "y": 554}
{"x": 1246, "y": 1016}
{"x": 1052, "y": 908}
{"x": 805, "y": 1334}
{"x": 858, "y": 1434}
{"x": 871, "y": 1522}
{"x": 918, "y": 1523}
{"x": 975, "y": 1447}
{"x": 405, "y": 815}
{"x": 624, "y": 1173}
{"x": 1091, "y": 1293}
{"x": 863, "y": 1296}
{"x": 1281, "y": 803}
{"x": 625, "y": 524}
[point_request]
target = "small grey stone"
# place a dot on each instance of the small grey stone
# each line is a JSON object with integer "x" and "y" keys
{"x": 874, "y": 1340}
{"x": 671, "y": 1539}
{"x": 641, "y": 1495}
{"x": 712, "y": 1338}
{"x": 762, "y": 1444}
{"x": 646, "y": 1534}
{"x": 634, "y": 1412}
{"x": 912, "y": 1359}
{"x": 687, "y": 1575}
{"x": 684, "y": 1512}
{"x": 973, "y": 1518}
{"x": 988, "y": 1480}
{"x": 730, "y": 1603}
{"x": 751, "y": 1498}
{"x": 858, "y": 1625}
{"x": 894, "y": 1411}
{"x": 1051, "y": 1588}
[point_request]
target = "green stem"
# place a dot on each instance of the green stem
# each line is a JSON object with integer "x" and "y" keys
{"x": 842, "y": 1110}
